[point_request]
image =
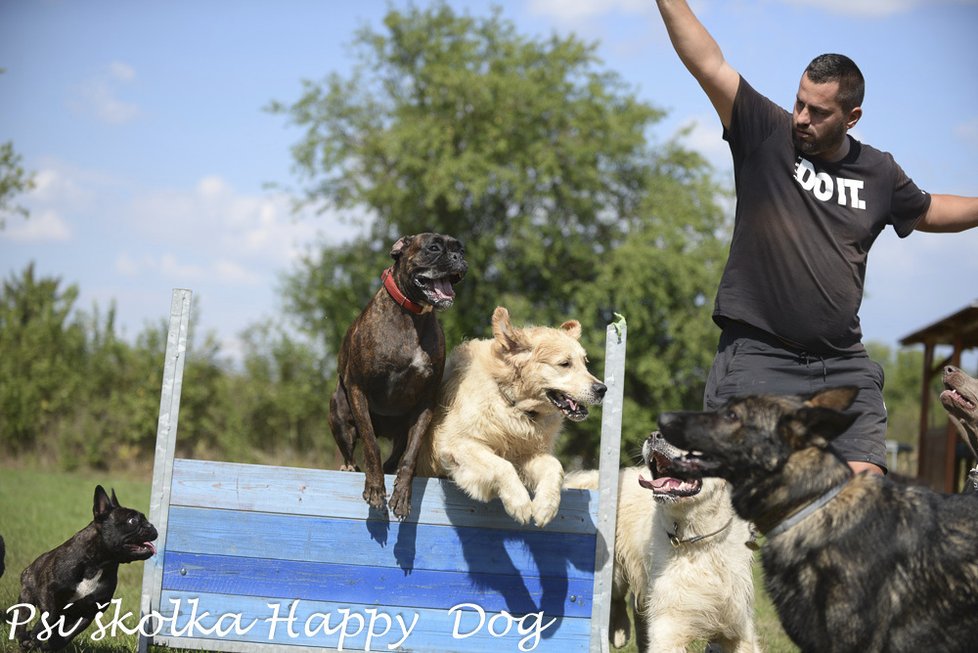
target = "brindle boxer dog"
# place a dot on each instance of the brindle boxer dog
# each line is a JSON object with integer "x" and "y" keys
{"x": 391, "y": 363}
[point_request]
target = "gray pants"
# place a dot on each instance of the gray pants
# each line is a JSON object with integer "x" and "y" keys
{"x": 753, "y": 362}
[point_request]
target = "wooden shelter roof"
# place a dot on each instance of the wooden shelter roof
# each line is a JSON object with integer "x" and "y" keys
{"x": 959, "y": 329}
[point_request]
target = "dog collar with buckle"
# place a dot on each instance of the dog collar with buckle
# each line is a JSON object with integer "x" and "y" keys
{"x": 676, "y": 542}
{"x": 796, "y": 517}
{"x": 388, "y": 278}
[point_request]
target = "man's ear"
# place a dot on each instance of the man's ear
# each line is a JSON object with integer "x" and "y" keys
{"x": 853, "y": 117}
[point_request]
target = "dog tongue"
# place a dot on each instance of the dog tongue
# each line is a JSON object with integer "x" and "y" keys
{"x": 665, "y": 483}
{"x": 151, "y": 547}
{"x": 443, "y": 288}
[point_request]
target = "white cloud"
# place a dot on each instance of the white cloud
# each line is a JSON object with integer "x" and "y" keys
{"x": 172, "y": 268}
{"x": 577, "y": 11}
{"x": 46, "y": 226}
{"x": 122, "y": 72}
{"x": 232, "y": 272}
{"x": 127, "y": 266}
{"x": 99, "y": 95}
{"x": 212, "y": 187}
{"x": 55, "y": 183}
{"x": 573, "y": 10}
{"x": 968, "y": 131}
{"x": 874, "y": 8}
{"x": 706, "y": 137}
{"x": 258, "y": 229}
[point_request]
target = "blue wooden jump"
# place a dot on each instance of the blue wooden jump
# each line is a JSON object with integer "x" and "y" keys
{"x": 264, "y": 558}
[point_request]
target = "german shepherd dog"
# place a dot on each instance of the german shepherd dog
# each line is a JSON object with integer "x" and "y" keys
{"x": 960, "y": 400}
{"x": 852, "y": 563}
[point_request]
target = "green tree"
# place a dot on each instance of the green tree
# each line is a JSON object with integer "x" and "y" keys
{"x": 14, "y": 179}
{"x": 903, "y": 373}
{"x": 112, "y": 422}
{"x": 285, "y": 396}
{"x": 42, "y": 348}
{"x": 539, "y": 160}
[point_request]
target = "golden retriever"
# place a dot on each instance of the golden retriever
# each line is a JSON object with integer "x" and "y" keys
{"x": 503, "y": 401}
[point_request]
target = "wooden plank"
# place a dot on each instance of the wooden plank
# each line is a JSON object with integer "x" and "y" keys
{"x": 326, "y": 493}
{"x": 349, "y": 542}
{"x": 427, "y": 630}
{"x": 386, "y": 586}
{"x": 166, "y": 438}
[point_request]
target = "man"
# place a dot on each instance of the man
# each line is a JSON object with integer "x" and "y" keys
{"x": 810, "y": 202}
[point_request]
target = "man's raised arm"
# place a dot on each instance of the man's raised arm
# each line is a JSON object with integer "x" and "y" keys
{"x": 701, "y": 55}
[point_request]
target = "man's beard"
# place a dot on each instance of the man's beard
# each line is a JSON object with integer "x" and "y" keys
{"x": 822, "y": 145}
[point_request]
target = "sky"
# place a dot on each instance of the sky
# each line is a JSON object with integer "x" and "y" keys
{"x": 158, "y": 167}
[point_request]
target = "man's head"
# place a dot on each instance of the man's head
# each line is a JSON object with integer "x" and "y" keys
{"x": 827, "y": 104}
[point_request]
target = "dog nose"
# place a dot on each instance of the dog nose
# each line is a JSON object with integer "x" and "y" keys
{"x": 600, "y": 389}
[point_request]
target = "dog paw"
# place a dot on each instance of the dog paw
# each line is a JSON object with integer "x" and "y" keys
{"x": 400, "y": 501}
{"x": 521, "y": 511}
{"x": 544, "y": 510}
{"x": 375, "y": 495}
{"x": 349, "y": 468}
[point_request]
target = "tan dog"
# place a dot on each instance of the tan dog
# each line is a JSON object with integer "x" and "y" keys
{"x": 503, "y": 401}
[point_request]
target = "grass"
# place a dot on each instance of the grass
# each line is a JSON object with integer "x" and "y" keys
{"x": 41, "y": 509}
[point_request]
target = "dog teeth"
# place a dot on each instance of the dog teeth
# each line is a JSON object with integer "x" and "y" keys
{"x": 961, "y": 399}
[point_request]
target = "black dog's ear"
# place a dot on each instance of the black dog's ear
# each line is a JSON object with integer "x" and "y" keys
{"x": 115, "y": 502}
{"x": 102, "y": 504}
{"x": 399, "y": 246}
{"x": 815, "y": 426}
{"x": 839, "y": 398}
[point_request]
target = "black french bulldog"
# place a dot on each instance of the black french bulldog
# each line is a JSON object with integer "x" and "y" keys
{"x": 70, "y": 583}
{"x": 391, "y": 363}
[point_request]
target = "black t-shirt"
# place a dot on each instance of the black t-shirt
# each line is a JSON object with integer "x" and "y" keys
{"x": 803, "y": 229}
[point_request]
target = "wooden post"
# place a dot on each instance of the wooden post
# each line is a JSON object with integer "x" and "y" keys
{"x": 166, "y": 438}
{"x": 614, "y": 373}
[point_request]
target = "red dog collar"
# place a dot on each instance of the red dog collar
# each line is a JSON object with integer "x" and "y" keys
{"x": 388, "y": 278}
